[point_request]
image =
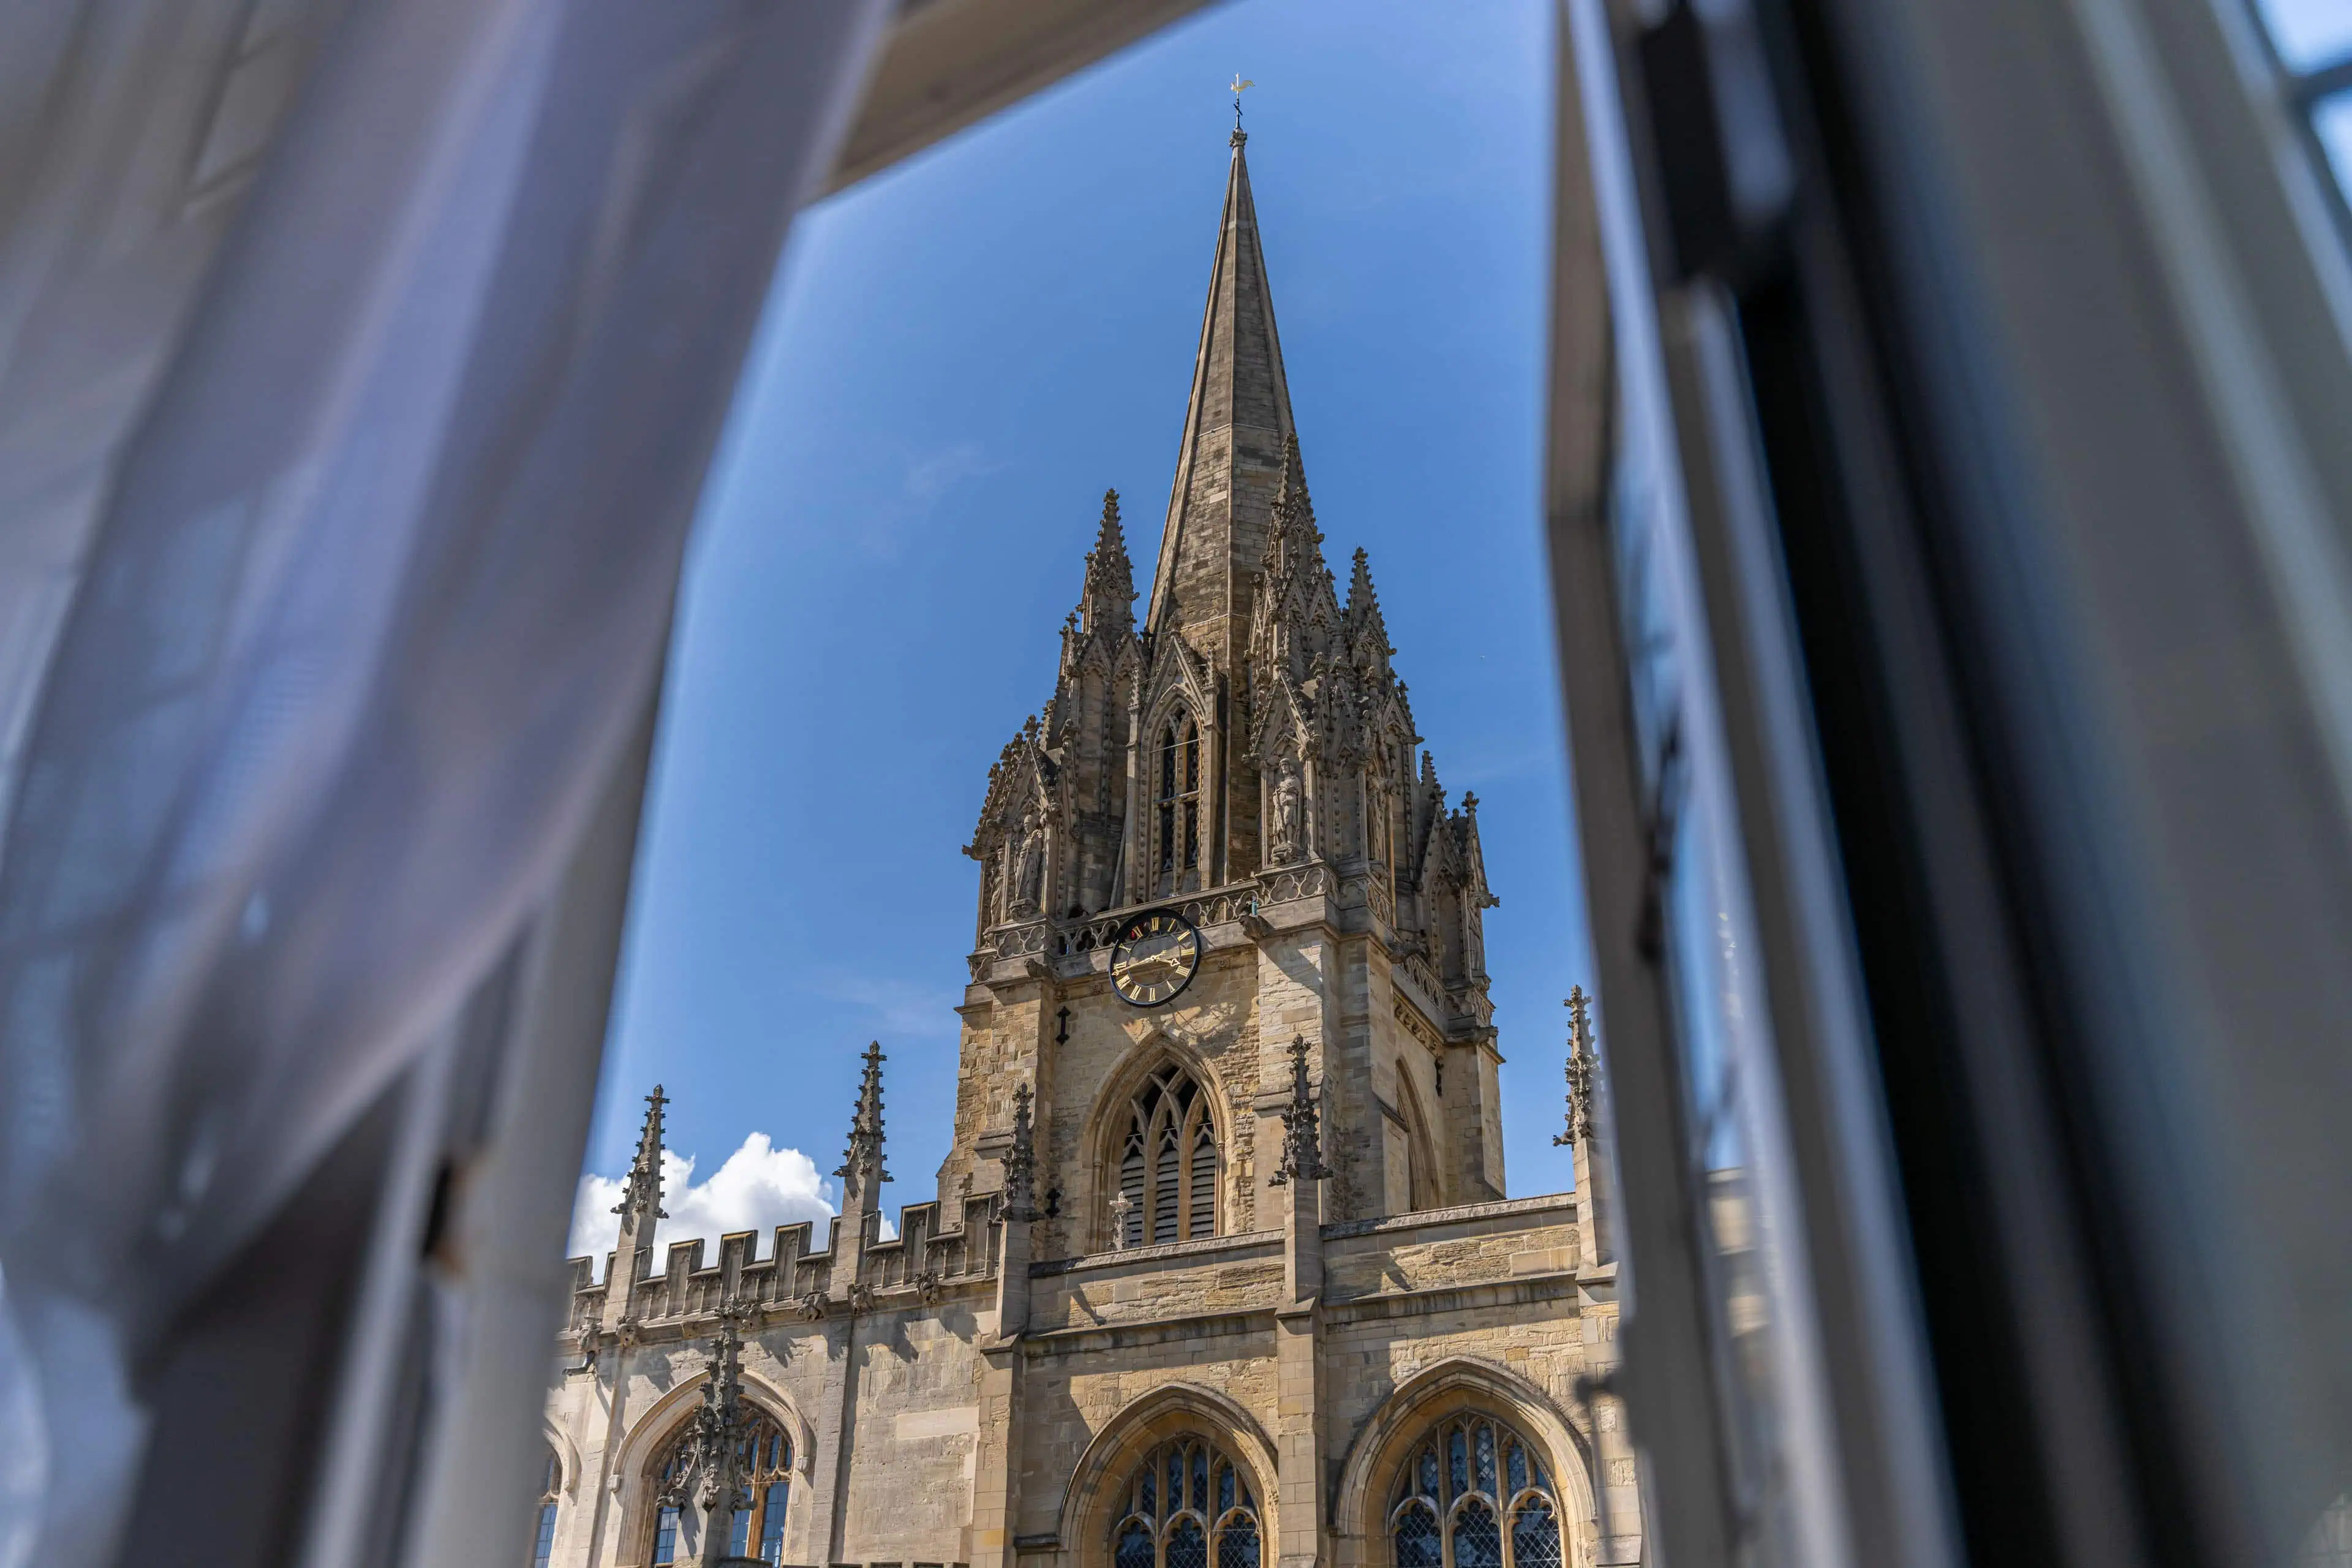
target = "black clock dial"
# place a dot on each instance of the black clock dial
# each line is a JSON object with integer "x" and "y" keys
{"x": 1155, "y": 957}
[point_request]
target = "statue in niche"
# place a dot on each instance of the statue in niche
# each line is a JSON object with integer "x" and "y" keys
{"x": 1288, "y": 807}
{"x": 1029, "y": 865}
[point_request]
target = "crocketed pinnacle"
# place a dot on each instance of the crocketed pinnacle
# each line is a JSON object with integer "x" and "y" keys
{"x": 1106, "y": 603}
{"x": 1582, "y": 1068}
{"x": 1292, "y": 539}
{"x": 641, "y": 1194}
{"x": 865, "y": 1156}
{"x": 1302, "y": 1137}
{"x": 1367, "y": 630}
{"x": 1020, "y": 1161}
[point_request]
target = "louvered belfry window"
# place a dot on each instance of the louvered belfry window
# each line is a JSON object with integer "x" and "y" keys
{"x": 1176, "y": 849}
{"x": 1168, "y": 1161}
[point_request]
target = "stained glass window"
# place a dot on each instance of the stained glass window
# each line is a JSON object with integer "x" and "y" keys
{"x": 1457, "y": 1486}
{"x": 1417, "y": 1537}
{"x": 1535, "y": 1535}
{"x": 1188, "y": 1506}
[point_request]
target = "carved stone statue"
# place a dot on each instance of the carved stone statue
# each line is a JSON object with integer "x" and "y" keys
{"x": 1289, "y": 803}
{"x": 1029, "y": 865}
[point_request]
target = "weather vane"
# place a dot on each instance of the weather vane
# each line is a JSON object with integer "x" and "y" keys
{"x": 1238, "y": 87}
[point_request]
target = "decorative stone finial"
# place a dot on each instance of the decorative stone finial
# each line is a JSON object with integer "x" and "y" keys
{"x": 1581, "y": 1070}
{"x": 1302, "y": 1141}
{"x": 711, "y": 1468}
{"x": 642, "y": 1193}
{"x": 1020, "y": 1161}
{"x": 864, "y": 1155}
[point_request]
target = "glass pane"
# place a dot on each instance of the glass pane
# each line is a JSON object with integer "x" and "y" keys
{"x": 1200, "y": 1479}
{"x": 1486, "y": 1460}
{"x": 1415, "y": 1535}
{"x": 1237, "y": 1544}
{"x": 1428, "y": 1467}
{"x": 2309, "y": 33}
{"x": 772, "y": 1522}
{"x": 1224, "y": 1487}
{"x": 665, "y": 1537}
{"x": 1146, "y": 1500}
{"x": 2333, "y": 120}
{"x": 1187, "y": 1547}
{"x": 739, "y": 1533}
{"x": 1478, "y": 1539}
{"x": 1134, "y": 1549}
{"x": 1518, "y": 1467}
{"x": 1457, "y": 1450}
{"x": 1535, "y": 1537}
{"x": 544, "y": 1547}
{"x": 1175, "y": 1480}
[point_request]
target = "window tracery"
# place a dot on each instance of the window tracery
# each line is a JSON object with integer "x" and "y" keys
{"x": 1187, "y": 1506}
{"x": 1474, "y": 1494}
{"x": 1166, "y": 1163}
{"x": 763, "y": 1460}
{"x": 1176, "y": 831}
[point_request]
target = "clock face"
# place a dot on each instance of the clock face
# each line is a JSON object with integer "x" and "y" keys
{"x": 1155, "y": 957}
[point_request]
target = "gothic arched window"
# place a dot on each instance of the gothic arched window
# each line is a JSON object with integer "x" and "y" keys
{"x": 763, "y": 1461}
{"x": 1474, "y": 1494}
{"x": 1187, "y": 1506}
{"x": 1166, "y": 1163}
{"x": 551, "y": 1492}
{"x": 1176, "y": 834}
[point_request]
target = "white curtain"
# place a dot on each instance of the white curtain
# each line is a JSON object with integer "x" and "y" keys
{"x": 372, "y": 589}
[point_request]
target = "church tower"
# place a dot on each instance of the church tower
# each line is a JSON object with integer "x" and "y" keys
{"x": 1240, "y": 772}
{"x": 1219, "y": 1272}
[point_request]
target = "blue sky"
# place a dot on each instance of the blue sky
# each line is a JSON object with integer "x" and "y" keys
{"x": 960, "y": 357}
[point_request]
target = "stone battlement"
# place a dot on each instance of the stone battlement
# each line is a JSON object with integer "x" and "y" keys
{"x": 922, "y": 1257}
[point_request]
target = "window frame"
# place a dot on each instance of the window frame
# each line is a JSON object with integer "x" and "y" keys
{"x": 1201, "y": 1460}
{"x": 1157, "y": 1107}
{"x": 1505, "y": 1499}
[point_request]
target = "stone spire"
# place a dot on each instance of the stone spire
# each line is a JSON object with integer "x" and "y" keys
{"x": 1106, "y": 603}
{"x": 1231, "y": 457}
{"x": 861, "y": 1168}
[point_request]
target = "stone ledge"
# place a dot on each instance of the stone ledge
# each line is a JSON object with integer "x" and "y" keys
{"x": 1246, "y": 1321}
{"x": 1427, "y": 1298}
{"x": 1206, "y": 1247}
{"x": 1390, "y": 1224}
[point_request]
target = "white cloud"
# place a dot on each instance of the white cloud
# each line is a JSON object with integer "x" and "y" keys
{"x": 757, "y": 1188}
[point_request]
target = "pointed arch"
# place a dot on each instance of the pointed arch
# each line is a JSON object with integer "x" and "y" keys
{"x": 635, "y": 1462}
{"x": 1425, "y": 1180}
{"x": 1169, "y": 1151}
{"x": 1092, "y": 1504}
{"x": 567, "y": 1454}
{"x": 1175, "y": 828}
{"x": 1377, "y": 1453}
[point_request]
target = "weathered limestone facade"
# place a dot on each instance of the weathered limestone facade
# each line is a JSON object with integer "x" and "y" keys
{"x": 1267, "y": 1216}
